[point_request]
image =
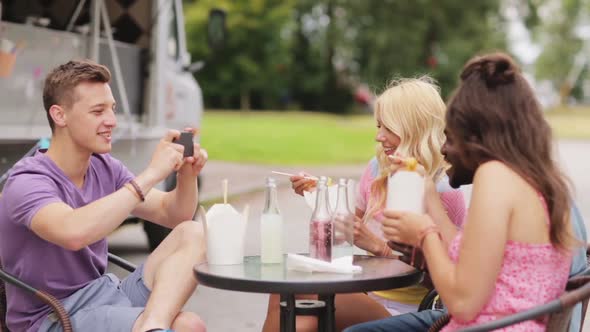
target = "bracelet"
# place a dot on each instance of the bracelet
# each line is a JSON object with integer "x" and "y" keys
{"x": 137, "y": 190}
{"x": 422, "y": 235}
{"x": 385, "y": 251}
{"x": 132, "y": 190}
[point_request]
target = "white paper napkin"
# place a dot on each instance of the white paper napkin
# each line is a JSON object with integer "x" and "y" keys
{"x": 308, "y": 264}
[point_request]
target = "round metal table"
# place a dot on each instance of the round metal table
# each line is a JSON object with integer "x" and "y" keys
{"x": 379, "y": 273}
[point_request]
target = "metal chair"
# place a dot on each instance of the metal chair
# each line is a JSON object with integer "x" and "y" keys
{"x": 431, "y": 301}
{"x": 54, "y": 303}
{"x": 558, "y": 311}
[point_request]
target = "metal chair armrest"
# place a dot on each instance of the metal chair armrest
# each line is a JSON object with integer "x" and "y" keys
{"x": 428, "y": 300}
{"x": 534, "y": 313}
{"x": 54, "y": 303}
{"x": 440, "y": 323}
{"x": 125, "y": 264}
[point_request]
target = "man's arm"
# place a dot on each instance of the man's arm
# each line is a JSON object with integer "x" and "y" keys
{"x": 171, "y": 208}
{"x": 76, "y": 228}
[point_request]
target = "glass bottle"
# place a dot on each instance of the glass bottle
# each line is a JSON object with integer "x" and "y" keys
{"x": 320, "y": 226}
{"x": 271, "y": 227}
{"x": 343, "y": 223}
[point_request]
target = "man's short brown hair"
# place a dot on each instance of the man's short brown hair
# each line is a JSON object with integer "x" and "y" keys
{"x": 60, "y": 83}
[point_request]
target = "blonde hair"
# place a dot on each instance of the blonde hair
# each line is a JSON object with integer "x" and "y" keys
{"x": 413, "y": 109}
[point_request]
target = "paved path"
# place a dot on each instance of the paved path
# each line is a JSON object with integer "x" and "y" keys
{"x": 246, "y": 178}
{"x": 247, "y": 310}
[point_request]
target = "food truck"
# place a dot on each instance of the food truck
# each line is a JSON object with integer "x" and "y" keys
{"x": 143, "y": 44}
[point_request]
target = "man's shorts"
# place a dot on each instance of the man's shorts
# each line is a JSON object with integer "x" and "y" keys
{"x": 106, "y": 304}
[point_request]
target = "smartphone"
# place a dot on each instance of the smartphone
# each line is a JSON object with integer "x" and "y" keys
{"x": 186, "y": 140}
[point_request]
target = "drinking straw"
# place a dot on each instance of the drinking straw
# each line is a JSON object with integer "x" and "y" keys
{"x": 310, "y": 177}
{"x": 246, "y": 212}
{"x": 224, "y": 183}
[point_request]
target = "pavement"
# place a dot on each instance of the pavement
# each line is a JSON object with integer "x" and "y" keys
{"x": 246, "y": 178}
{"x": 228, "y": 311}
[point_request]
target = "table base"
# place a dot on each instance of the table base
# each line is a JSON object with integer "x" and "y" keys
{"x": 324, "y": 309}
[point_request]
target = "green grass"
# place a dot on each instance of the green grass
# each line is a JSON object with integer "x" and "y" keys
{"x": 304, "y": 138}
{"x": 288, "y": 138}
{"x": 570, "y": 123}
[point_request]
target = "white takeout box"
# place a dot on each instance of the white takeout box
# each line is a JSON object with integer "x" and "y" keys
{"x": 225, "y": 231}
{"x": 405, "y": 192}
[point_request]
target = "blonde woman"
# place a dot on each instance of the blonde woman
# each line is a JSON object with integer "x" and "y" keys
{"x": 410, "y": 122}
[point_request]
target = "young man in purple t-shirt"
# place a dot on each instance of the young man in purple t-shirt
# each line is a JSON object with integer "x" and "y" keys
{"x": 59, "y": 205}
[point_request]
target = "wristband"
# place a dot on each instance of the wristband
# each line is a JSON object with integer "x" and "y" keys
{"x": 137, "y": 190}
{"x": 422, "y": 235}
{"x": 385, "y": 251}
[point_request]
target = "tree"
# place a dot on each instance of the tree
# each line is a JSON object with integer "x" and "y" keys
{"x": 317, "y": 52}
{"x": 559, "y": 41}
{"x": 255, "y": 57}
{"x": 316, "y": 43}
{"x": 406, "y": 38}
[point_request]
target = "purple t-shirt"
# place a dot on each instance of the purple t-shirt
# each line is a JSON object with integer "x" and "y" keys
{"x": 34, "y": 183}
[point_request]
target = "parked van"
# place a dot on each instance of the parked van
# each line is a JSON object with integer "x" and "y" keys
{"x": 141, "y": 41}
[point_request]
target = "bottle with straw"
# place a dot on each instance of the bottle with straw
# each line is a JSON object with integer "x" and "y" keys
{"x": 321, "y": 227}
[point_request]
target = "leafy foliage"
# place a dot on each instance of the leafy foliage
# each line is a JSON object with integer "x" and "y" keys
{"x": 255, "y": 56}
{"x": 559, "y": 41}
{"x": 312, "y": 55}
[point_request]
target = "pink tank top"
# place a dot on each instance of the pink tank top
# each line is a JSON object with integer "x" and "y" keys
{"x": 531, "y": 275}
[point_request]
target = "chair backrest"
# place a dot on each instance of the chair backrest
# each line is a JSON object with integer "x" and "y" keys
{"x": 3, "y": 306}
{"x": 577, "y": 291}
{"x": 571, "y": 283}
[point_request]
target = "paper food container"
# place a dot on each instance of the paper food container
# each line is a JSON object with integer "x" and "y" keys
{"x": 225, "y": 231}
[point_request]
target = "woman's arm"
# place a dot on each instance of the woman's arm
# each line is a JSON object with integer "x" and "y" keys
{"x": 466, "y": 286}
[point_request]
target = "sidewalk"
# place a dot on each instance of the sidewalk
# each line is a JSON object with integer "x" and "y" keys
{"x": 245, "y": 178}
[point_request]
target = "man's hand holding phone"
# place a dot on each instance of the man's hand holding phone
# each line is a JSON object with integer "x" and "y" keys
{"x": 194, "y": 156}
